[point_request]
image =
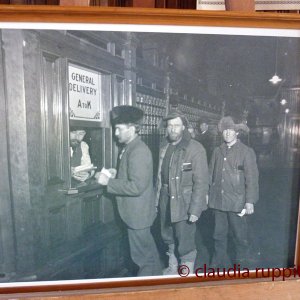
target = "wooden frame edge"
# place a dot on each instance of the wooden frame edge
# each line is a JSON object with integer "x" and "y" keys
{"x": 143, "y": 16}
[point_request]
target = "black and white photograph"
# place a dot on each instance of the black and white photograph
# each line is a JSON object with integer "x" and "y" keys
{"x": 145, "y": 152}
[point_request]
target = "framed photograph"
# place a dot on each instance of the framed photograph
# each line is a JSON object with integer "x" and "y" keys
{"x": 63, "y": 70}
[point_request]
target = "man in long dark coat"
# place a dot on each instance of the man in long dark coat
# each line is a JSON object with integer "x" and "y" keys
{"x": 133, "y": 188}
{"x": 182, "y": 185}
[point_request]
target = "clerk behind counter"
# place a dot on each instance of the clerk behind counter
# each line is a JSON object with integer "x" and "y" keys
{"x": 81, "y": 165}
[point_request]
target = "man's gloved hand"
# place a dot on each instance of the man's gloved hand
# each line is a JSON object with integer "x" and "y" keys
{"x": 97, "y": 175}
{"x": 102, "y": 179}
{"x": 193, "y": 218}
{"x": 113, "y": 172}
{"x": 249, "y": 208}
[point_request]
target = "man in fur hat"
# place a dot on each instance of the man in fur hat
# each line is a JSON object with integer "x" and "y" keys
{"x": 233, "y": 193}
{"x": 182, "y": 185}
{"x": 132, "y": 184}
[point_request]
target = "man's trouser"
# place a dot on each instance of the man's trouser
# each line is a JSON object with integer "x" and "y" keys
{"x": 143, "y": 252}
{"x": 182, "y": 233}
{"x": 225, "y": 221}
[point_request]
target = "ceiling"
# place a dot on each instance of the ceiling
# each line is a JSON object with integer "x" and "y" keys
{"x": 233, "y": 68}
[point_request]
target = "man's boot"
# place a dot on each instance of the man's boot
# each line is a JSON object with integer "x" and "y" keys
{"x": 189, "y": 261}
{"x": 172, "y": 268}
{"x": 188, "y": 267}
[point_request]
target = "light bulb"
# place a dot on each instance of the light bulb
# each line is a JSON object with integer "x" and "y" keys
{"x": 283, "y": 102}
{"x": 275, "y": 79}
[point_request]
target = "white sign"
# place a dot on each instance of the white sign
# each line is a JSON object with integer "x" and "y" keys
{"x": 84, "y": 94}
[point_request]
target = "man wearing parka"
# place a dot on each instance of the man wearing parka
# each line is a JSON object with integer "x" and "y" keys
{"x": 182, "y": 186}
{"x": 233, "y": 193}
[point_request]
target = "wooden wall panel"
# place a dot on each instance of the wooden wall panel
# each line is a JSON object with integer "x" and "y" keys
{"x": 57, "y": 225}
{"x": 74, "y": 221}
{"x": 6, "y": 225}
{"x": 17, "y": 143}
{"x": 90, "y": 212}
{"x": 32, "y": 69}
{"x": 52, "y": 118}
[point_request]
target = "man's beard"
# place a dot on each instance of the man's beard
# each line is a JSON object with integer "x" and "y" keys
{"x": 74, "y": 143}
{"x": 174, "y": 137}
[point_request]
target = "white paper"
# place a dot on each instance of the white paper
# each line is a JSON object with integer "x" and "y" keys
{"x": 84, "y": 168}
{"x": 242, "y": 212}
{"x": 106, "y": 172}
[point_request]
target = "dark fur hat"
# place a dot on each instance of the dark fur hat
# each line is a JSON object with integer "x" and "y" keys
{"x": 125, "y": 114}
{"x": 228, "y": 123}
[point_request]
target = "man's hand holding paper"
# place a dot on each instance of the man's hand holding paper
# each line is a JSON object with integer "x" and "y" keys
{"x": 105, "y": 174}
